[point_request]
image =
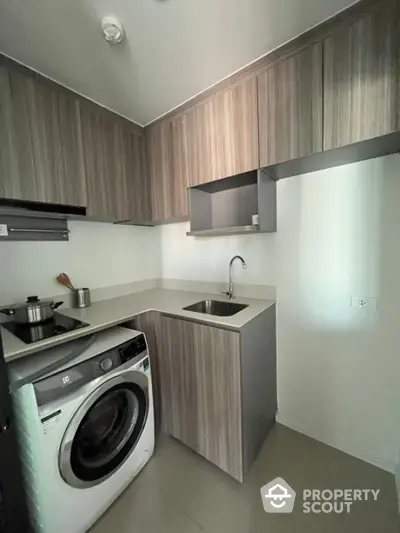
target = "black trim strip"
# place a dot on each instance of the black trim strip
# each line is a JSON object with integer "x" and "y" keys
{"x": 49, "y": 417}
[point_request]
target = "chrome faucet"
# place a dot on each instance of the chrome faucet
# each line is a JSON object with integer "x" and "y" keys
{"x": 230, "y": 292}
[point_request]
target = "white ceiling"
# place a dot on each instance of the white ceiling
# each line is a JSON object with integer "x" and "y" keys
{"x": 174, "y": 48}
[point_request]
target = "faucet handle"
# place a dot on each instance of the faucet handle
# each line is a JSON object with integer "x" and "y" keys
{"x": 227, "y": 293}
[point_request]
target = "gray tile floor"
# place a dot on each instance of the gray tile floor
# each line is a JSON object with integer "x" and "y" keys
{"x": 180, "y": 492}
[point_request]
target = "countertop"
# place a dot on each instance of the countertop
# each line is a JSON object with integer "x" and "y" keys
{"x": 107, "y": 313}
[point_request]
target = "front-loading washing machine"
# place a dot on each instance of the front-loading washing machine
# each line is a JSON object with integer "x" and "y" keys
{"x": 86, "y": 429}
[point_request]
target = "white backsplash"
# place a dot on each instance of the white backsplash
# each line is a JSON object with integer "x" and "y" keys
{"x": 97, "y": 255}
{"x": 207, "y": 258}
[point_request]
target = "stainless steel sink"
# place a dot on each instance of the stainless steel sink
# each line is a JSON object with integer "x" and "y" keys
{"x": 217, "y": 308}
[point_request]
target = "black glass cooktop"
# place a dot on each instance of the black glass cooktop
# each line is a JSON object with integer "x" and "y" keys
{"x": 45, "y": 330}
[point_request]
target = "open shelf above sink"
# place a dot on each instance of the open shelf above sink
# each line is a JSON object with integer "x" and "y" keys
{"x": 227, "y": 206}
{"x": 236, "y": 230}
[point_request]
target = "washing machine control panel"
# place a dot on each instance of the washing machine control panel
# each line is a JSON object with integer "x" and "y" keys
{"x": 133, "y": 348}
{"x": 71, "y": 379}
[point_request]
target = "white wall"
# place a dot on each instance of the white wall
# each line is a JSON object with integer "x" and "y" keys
{"x": 97, "y": 255}
{"x": 338, "y": 236}
{"x": 338, "y": 367}
{"x": 207, "y": 258}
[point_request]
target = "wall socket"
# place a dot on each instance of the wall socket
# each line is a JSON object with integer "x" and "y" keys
{"x": 363, "y": 302}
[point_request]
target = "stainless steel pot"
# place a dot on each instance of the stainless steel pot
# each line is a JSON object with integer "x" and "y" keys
{"x": 34, "y": 310}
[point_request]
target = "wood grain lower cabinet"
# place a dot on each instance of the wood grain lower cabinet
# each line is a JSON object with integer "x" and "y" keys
{"x": 117, "y": 186}
{"x": 41, "y": 156}
{"x": 362, "y": 78}
{"x": 290, "y": 105}
{"x": 149, "y": 323}
{"x": 227, "y": 132}
{"x": 201, "y": 392}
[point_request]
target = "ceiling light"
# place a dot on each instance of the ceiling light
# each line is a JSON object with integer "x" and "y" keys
{"x": 113, "y": 30}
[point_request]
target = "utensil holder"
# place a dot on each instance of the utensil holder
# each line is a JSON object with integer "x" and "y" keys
{"x": 82, "y": 298}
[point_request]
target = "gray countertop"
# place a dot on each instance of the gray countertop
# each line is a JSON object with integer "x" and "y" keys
{"x": 107, "y": 313}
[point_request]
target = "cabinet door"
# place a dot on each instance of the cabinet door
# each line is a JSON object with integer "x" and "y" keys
{"x": 101, "y": 137}
{"x": 290, "y": 107}
{"x": 40, "y": 150}
{"x": 149, "y": 323}
{"x": 177, "y": 368}
{"x": 159, "y": 167}
{"x": 185, "y": 162}
{"x": 15, "y": 150}
{"x": 227, "y": 132}
{"x": 362, "y": 79}
{"x": 201, "y": 386}
{"x": 137, "y": 205}
{"x": 117, "y": 187}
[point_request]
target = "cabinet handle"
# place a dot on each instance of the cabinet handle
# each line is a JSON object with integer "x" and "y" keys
{"x": 32, "y": 230}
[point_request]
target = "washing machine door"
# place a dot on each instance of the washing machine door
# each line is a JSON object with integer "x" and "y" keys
{"x": 105, "y": 430}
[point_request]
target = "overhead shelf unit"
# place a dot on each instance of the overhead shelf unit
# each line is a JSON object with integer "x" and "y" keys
{"x": 229, "y": 206}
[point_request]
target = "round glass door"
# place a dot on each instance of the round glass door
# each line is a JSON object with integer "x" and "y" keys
{"x": 107, "y": 433}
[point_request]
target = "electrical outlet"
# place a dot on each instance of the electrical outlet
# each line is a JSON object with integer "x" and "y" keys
{"x": 363, "y": 302}
{"x": 3, "y": 230}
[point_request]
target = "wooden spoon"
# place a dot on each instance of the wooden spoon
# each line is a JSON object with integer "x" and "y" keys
{"x": 64, "y": 279}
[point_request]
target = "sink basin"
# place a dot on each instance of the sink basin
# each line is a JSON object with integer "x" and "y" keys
{"x": 217, "y": 308}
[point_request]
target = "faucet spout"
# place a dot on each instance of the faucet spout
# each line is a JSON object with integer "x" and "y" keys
{"x": 230, "y": 291}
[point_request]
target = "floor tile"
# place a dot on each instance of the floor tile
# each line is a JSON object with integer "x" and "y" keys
{"x": 145, "y": 509}
{"x": 306, "y": 463}
{"x": 181, "y": 492}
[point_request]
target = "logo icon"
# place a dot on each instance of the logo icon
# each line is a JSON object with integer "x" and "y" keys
{"x": 277, "y": 496}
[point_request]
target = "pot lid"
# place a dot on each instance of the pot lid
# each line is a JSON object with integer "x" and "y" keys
{"x": 33, "y": 301}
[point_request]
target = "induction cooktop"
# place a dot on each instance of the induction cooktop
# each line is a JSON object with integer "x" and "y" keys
{"x": 44, "y": 330}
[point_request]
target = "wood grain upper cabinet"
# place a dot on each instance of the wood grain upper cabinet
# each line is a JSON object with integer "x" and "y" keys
{"x": 101, "y": 138}
{"x": 362, "y": 78}
{"x": 227, "y": 132}
{"x": 200, "y": 389}
{"x": 134, "y": 175}
{"x": 171, "y": 161}
{"x": 41, "y": 156}
{"x": 160, "y": 170}
{"x": 290, "y": 105}
{"x": 185, "y": 157}
{"x": 117, "y": 188}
